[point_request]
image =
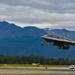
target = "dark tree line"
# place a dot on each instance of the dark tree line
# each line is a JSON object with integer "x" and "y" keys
{"x": 35, "y": 59}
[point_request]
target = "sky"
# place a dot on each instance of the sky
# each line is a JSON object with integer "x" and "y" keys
{"x": 40, "y": 13}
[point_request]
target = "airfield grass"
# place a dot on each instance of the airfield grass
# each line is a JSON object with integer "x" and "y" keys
{"x": 29, "y": 65}
{"x": 33, "y": 67}
{"x": 34, "y": 74}
{"x": 17, "y": 65}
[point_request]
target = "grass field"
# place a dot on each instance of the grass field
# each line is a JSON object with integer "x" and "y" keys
{"x": 25, "y": 74}
{"x": 32, "y": 67}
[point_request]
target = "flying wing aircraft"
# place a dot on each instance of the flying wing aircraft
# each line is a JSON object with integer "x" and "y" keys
{"x": 60, "y": 41}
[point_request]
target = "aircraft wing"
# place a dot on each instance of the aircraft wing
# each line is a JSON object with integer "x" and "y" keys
{"x": 49, "y": 39}
{"x": 62, "y": 43}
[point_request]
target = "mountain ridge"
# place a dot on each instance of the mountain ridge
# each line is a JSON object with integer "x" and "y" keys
{"x": 15, "y": 40}
{"x": 11, "y": 30}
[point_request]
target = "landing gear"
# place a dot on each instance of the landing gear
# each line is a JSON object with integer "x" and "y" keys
{"x": 63, "y": 47}
{"x": 41, "y": 43}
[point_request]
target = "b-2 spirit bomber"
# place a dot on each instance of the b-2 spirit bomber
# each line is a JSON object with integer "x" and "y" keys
{"x": 60, "y": 41}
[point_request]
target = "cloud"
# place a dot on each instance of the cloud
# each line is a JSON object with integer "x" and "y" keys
{"x": 40, "y": 13}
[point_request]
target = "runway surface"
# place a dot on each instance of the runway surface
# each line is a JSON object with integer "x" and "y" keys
{"x": 55, "y": 72}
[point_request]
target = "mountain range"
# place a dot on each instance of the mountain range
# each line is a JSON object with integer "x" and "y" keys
{"x": 15, "y": 41}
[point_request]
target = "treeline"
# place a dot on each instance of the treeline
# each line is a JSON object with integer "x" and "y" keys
{"x": 34, "y": 59}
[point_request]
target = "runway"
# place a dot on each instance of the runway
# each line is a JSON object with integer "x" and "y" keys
{"x": 54, "y": 72}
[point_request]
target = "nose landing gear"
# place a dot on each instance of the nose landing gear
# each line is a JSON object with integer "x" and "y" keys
{"x": 41, "y": 43}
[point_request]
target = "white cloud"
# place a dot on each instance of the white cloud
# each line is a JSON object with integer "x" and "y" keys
{"x": 40, "y": 13}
